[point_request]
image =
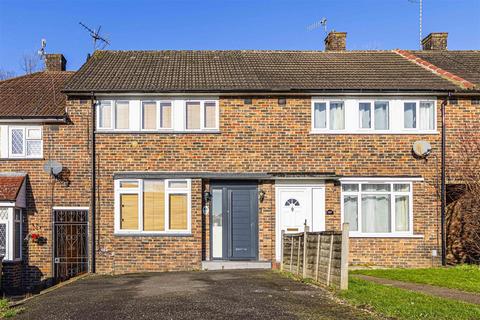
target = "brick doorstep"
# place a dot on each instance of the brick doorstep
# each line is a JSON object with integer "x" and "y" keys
{"x": 427, "y": 289}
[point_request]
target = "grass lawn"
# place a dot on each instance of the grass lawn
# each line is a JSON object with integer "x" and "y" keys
{"x": 403, "y": 304}
{"x": 465, "y": 278}
{"x": 6, "y": 311}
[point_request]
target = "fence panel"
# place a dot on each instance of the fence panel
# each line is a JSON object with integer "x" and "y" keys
{"x": 321, "y": 256}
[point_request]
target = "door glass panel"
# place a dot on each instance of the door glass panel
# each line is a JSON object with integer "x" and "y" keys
{"x": 217, "y": 223}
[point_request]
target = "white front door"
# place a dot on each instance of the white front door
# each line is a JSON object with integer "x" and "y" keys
{"x": 297, "y": 205}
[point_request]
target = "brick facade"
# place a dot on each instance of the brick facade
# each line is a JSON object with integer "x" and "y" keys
{"x": 259, "y": 137}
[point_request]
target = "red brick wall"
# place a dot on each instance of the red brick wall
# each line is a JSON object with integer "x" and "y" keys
{"x": 12, "y": 277}
{"x": 267, "y": 137}
{"x": 69, "y": 146}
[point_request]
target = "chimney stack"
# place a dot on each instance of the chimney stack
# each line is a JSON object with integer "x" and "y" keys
{"x": 55, "y": 62}
{"x": 336, "y": 41}
{"x": 435, "y": 41}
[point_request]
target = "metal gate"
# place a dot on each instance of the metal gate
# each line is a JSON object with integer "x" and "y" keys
{"x": 70, "y": 254}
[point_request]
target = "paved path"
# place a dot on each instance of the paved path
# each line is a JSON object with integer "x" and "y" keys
{"x": 229, "y": 295}
{"x": 425, "y": 288}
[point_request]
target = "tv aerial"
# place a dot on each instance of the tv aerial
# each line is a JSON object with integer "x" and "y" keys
{"x": 42, "y": 52}
{"x": 318, "y": 24}
{"x": 420, "y": 3}
{"x": 99, "y": 41}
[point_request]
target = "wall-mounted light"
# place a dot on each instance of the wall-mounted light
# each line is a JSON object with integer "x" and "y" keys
{"x": 247, "y": 101}
{"x": 282, "y": 101}
{"x": 207, "y": 196}
{"x": 261, "y": 195}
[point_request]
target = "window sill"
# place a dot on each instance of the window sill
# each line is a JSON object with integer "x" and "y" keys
{"x": 152, "y": 234}
{"x": 15, "y": 261}
{"x": 386, "y": 235}
{"x": 314, "y": 132}
{"x": 156, "y": 132}
{"x": 20, "y": 158}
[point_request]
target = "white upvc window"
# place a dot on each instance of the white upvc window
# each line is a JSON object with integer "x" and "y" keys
{"x": 11, "y": 239}
{"x": 373, "y": 115}
{"x": 25, "y": 142}
{"x": 201, "y": 115}
{"x": 328, "y": 115}
{"x": 157, "y": 115}
{"x": 173, "y": 115}
{"x": 378, "y": 208}
{"x": 153, "y": 206}
{"x": 419, "y": 115}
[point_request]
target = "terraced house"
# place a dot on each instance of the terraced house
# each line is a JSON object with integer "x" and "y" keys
{"x": 181, "y": 160}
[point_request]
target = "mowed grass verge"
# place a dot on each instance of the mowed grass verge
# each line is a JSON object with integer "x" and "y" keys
{"x": 397, "y": 303}
{"x": 464, "y": 278}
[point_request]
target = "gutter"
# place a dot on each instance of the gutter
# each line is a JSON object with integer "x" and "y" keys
{"x": 45, "y": 119}
{"x": 93, "y": 180}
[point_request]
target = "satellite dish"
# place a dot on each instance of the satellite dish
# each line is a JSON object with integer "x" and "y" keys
{"x": 53, "y": 167}
{"x": 422, "y": 148}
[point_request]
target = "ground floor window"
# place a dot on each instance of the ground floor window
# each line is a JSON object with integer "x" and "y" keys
{"x": 11, "y": 233}
{"x": 378, "y": 207}
{"x": 152, "y": 206}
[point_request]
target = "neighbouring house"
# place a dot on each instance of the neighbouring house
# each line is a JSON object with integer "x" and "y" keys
{"x": 183, "y": 160}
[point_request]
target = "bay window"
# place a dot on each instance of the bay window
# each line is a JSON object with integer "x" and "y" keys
{"x": 378, "y": 208}
{"x": 153, "y": 206}
{"x": 11, "y": 238}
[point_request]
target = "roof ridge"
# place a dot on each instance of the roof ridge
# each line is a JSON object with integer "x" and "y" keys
{"x": 37, "y": 73}
{"x": 459, "y": 81}
{"x": 245, "y": 50}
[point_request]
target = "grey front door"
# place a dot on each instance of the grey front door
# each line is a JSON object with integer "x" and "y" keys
{"x": 239, "y": 217}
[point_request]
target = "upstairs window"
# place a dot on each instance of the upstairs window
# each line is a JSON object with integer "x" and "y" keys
{"x": 175, "y": 115}
{"x": 329, "y": 115}
{"x": 382, "y": 115}
{"x": 25, "y": 142}
{"x": 122, "y": 115}
{"x": 419, "y": 115}
{"x": 375, "y": 115}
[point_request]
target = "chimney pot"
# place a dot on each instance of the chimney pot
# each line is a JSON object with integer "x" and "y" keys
{"x": 435, "y": 41}
{"x": 55, "y": 62}
{"x": 336, "y": 41}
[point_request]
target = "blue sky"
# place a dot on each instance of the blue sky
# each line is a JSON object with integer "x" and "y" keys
{"x": 241, "y": 24}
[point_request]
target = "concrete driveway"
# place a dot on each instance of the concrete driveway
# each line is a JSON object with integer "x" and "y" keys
{"x": 189, "y": 295}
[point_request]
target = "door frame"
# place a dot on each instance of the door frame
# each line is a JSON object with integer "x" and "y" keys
{"x": 226, "y": 185}
{"x": 318, "y": 224}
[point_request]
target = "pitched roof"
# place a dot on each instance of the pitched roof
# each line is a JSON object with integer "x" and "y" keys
{"x": 34, "y": 95}
{"x": 10, "y": 186}
{"x": 252, "y": 71}
{"x": 465, "y": 63}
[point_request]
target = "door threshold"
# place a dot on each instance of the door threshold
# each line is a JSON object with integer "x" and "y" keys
{"x": 235, "y": 265}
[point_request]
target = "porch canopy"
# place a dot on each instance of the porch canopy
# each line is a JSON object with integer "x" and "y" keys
{"x": 13, "y": 189}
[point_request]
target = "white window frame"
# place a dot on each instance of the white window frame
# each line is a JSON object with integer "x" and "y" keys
{"x": 327, "y": 115}
{"x": 112, "y": 115}
{"x": 139, "y": 191}
{"x": 202, "y": 115}
{"x": 396, "y": 121}
{"x": 178, "y": 115}
{"x": 24, "y": 155}
{"x": 158, "y": 123}
{"x": 10, "y": 233}
{"x": 392, "y": 193}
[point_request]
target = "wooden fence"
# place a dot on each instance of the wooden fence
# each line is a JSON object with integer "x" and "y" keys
{"x": 324, "y": 258}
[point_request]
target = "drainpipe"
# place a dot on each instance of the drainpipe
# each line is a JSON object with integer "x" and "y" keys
{"x": 443, "y": 185}
{"x": 92, "y": 191}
